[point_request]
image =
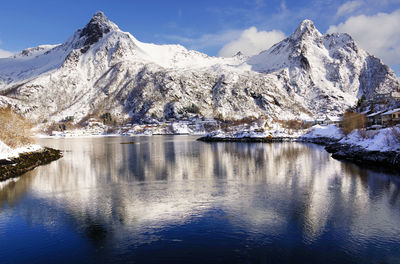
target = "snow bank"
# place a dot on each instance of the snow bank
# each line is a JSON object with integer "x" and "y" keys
{"x": 380, "y": 140}
{"x": 256, "y": 132}
{"x": 329, "y": 131}
{"x": 6, "y": 152}
{"x": 181, "y": 128}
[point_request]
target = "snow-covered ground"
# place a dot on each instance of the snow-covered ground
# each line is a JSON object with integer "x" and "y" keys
{"x": 6, "y": 152}
{"x": 329, "y": 131}
{"x": 387, "y": 139}
{"x": 195, "y": 126}
{"x": 256, "y": 130}
{"x": 255, "y": 133}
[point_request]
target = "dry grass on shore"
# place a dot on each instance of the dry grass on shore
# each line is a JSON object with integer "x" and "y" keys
{"x": 15, "y": 130}
{"x": 353, "y": 120}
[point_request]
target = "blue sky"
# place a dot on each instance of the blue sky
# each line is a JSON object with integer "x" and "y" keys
{"x": 206, "y": 25}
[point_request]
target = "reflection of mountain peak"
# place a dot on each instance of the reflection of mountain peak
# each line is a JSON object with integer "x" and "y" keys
{"x": 189, "y": 177}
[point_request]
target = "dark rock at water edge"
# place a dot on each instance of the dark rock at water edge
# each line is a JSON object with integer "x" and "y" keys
{"x": 324, "y": 141}
{"x": 26, "y": 162}
{"x": 358, "y": 155}
{"x": 320, "y": 141}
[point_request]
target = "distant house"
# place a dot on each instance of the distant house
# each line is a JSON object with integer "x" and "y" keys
{"x": 333, "y": 120}
{"x": 319, "y": 121}
{"x": 310, "y": 122}
{"x": 328, "y": 120}
{"x": 374, "y": 118}
{"x": 391, "y": 117}
{"x": 396, "y": 95}
{"x": 385, "y": 118}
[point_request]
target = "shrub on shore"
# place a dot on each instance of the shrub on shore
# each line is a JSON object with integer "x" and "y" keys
{"x": 351, "y": 121}
{"x": 227, "y": 125}
{"x": 61, "y": 126}
{"x": 15, "y": 130}
{"x": 293, "y": 124}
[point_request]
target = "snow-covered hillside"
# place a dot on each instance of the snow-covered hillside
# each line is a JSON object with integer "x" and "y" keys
{"x": 103, "y": 69}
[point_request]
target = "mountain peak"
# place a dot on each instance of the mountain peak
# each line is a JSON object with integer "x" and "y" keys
{"x": 306, "y": 29}
{"x": 99, "y": 14}
{"x": 98, "y": 26}
{"x": 306, "y": 23}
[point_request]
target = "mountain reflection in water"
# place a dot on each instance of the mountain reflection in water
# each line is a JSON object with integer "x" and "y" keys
{"x": 176, "y": 199}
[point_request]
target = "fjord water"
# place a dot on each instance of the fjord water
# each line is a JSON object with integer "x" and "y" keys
{"x": 174, "y": 199}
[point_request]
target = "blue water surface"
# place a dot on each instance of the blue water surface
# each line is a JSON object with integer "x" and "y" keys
{"x": 172, "y": 199}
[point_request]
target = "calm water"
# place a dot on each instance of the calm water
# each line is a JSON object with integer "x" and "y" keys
{"x": 172, "y": 199}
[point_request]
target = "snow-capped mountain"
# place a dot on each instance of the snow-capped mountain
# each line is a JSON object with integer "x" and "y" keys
{"x": 103, "y": 69}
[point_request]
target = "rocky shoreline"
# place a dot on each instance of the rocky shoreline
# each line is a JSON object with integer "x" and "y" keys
{"x": 320, "y": 140}
{"x": 358, "y": 155}
{"x": 27, "y": 161}
{"x": 347, "y": 152}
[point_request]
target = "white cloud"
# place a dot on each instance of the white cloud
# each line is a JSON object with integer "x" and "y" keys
{"x": 5, "y": 53}
{"x": 378, "y": 34}
{"x": 251, "y": 42}
{"x": 348, "y": 7}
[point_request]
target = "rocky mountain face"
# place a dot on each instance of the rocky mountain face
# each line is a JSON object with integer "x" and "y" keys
{"x": 103, "y": 69}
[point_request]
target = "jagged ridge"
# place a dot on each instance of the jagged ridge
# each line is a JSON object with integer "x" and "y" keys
{"x": 101, "y": 68}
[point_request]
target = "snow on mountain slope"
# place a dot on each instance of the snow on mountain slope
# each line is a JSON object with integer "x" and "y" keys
{"x": 319, "y": 65}
{"x": 29, "y": 63}
{"x": 103, "y": 69}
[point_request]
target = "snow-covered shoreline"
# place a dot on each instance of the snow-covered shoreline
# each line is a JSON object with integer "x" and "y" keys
{"x": 7, "y": 152}
{"x": 194, "y": 126}
{"x": 16, "y": 161}
{"x": 374, "y": 140}
{"x": 26, "y": 161}
{"x": 386, "y": 139}
{"x": 375, "y": 147}
{"x": 277, "y": 133}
